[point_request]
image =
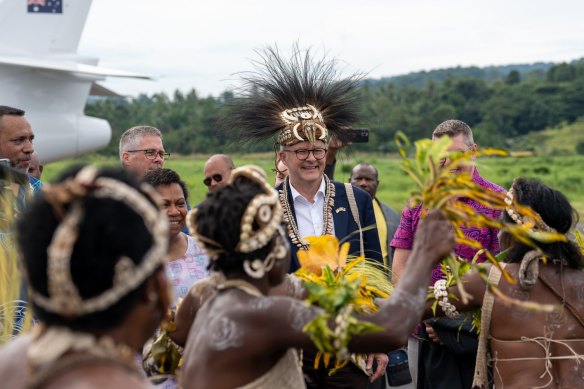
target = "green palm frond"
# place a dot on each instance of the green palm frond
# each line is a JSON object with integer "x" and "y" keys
{"x": 437, "y": 188}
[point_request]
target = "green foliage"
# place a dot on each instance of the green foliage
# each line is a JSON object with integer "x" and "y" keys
{"x": 513, "y": 77}
{"x": 333, "y": 295}
{"x": 561, "y": 73}
{"x": 560, "y": 140}
{"x": 488, "y": 74}
{"x": 336, "y": 296}
{"x": 499, "y": 103}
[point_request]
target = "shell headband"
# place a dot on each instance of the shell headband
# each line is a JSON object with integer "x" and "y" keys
{"x": 64, "y": 297}
{"x": 264, "y": 209}
{"x": 536, "y": 221}
{"x": 302, "y": 124}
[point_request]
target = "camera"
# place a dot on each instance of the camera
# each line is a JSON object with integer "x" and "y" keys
{"x": 358, "y": 135}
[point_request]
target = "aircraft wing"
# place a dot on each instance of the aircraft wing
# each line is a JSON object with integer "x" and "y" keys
{"x": 102, "y": 91}
{"x": 67, "y": 67}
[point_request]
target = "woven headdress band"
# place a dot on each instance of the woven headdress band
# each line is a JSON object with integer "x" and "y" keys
{"x": 64, "y": 297}
{"x": 260, "y": 221}
{"x": 302, "y": 124}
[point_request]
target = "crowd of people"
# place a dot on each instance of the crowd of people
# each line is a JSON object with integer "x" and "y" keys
{"x": 114, "y": 260}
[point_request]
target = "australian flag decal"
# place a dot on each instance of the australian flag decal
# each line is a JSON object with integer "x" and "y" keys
{"x": 45, "y": 6}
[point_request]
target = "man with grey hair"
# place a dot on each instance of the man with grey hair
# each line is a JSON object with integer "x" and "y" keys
{"x": 141, "y": 150}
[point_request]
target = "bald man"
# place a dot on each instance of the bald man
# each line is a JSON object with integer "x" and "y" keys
{"x": 217, "y": 171}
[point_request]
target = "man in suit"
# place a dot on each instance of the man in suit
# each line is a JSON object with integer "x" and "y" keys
{"x": 300, "y": 101}
{"x": 314, "y": 205}
{"x": 365, "y": 176}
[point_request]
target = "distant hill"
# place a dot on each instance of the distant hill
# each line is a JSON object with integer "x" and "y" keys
{"x": 560, "y": 140}
{"x": 506, "y": 106}
{"x": 488, "y": 74}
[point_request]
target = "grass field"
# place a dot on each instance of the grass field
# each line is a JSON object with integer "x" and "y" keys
{"x": 563, "y": 173}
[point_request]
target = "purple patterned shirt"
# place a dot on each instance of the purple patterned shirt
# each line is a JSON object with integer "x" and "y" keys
{"x": 404, "y": 236}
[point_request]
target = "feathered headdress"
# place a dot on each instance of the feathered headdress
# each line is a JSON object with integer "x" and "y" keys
{"x": 296, "y": 99}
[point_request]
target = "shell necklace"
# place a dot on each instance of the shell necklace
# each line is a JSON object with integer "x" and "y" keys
{"x": 329, "y": 202}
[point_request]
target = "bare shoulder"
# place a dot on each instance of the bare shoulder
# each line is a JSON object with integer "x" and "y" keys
{"x": 14, "y": 350}
{"x": 207, "y": 286}
{"x": 100, "y": 376}
{"x": 566, "y": 281}
{"x": 292, "y": 286}
{"x": 13, "y": 362}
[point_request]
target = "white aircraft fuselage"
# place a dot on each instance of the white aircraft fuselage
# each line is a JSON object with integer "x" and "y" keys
{"x": 41, "y": 73}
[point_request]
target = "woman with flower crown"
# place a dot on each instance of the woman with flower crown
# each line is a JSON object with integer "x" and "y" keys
{"x": 243, "y": 338}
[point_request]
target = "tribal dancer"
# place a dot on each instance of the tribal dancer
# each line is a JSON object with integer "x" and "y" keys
{"x": 536, "y": 348}
{"x": 94, "y": 249}
{"x": 242, "y": 338}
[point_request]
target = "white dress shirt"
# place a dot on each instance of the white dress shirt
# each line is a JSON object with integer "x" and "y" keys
{"x": 309, "y": 216}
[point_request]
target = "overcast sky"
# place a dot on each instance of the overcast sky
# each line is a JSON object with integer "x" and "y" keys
{"x": 197, "y": 44}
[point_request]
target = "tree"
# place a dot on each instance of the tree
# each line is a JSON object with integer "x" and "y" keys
{"x": 513, "y": 77}
{"x": 561, "y": 73}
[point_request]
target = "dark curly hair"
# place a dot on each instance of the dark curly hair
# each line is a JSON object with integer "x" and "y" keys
{"x": 109, "y": 229}
{"x": 158, "y": 177}
{"x": 218, "y": 218}
{"x": 556, "y": 211}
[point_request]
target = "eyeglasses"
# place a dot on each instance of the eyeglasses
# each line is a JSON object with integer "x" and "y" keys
{"x": 215, "y": 177}
{"x": 151, "y": 153}
{"x": 303, "y": 154}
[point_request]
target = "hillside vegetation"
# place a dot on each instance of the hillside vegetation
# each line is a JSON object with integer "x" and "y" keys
{"x": 566, "y": 139}
{"x": 500, "y": 107}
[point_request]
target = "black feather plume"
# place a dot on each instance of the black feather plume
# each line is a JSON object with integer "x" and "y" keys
{"x": 278, "y": 84}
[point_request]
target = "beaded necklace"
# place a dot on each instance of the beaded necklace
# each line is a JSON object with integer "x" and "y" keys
{"x": 329, "y": 202}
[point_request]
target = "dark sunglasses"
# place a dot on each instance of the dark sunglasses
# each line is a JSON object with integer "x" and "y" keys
{"x": 215, "y": 177}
